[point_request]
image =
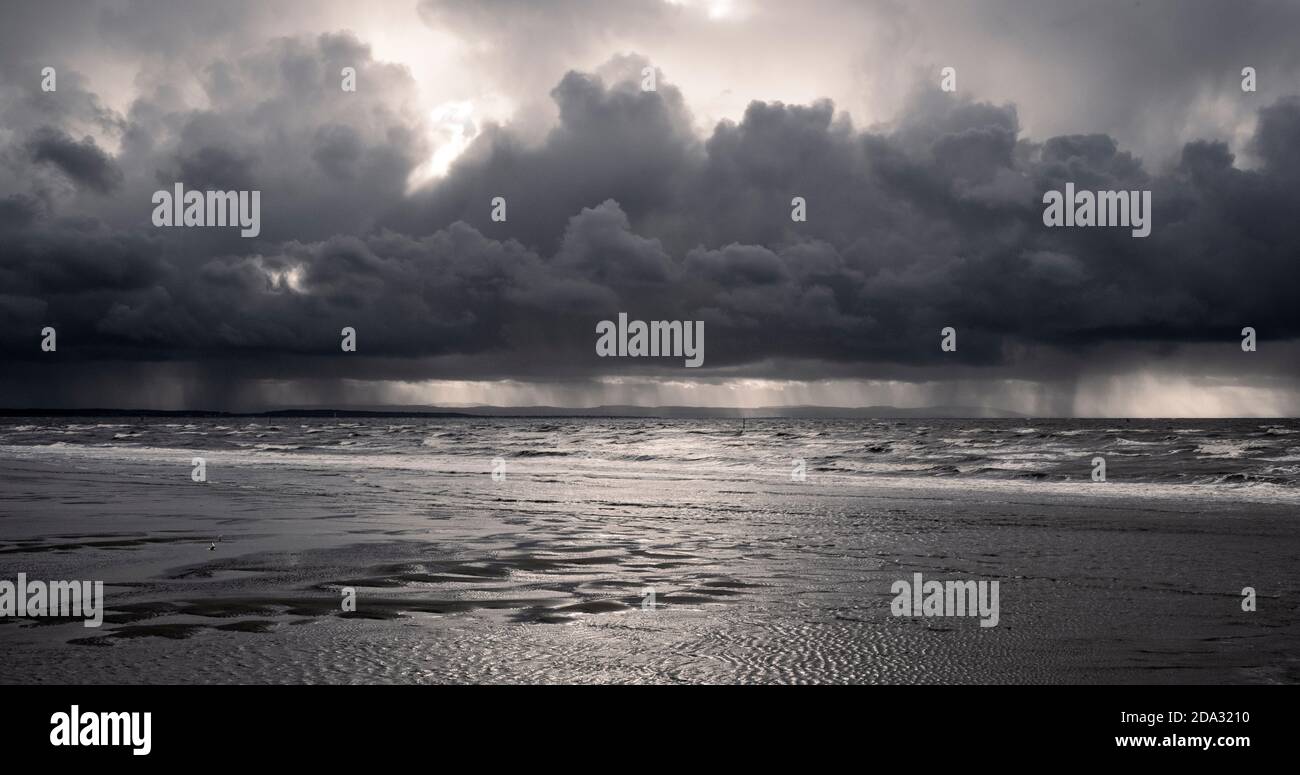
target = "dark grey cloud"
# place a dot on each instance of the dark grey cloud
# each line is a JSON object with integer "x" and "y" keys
{"x": 932, "y": 220}
{"x": 83, "y": 161}
{"x": 613, "y": 141}
{"x": 1143, "y": 72}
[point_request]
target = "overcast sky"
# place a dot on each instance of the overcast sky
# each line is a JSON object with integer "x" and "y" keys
{"x": 924, "y": 207}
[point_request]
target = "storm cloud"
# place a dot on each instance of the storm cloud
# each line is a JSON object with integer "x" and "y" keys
{"x": 622, "y": 204}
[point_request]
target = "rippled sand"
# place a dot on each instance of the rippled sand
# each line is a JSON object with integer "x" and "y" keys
{"x": 541, "y": 577}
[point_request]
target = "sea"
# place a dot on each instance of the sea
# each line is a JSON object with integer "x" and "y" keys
{"x": 643, "y": 550}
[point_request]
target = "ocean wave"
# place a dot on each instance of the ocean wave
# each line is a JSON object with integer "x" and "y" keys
{"x": 1278, "y": 430}
{"x": 1221, "y": 449}
{"x": 1225, "y": 454}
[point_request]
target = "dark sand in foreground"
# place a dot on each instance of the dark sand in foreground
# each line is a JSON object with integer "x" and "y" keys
{"x": 540, "y": 578}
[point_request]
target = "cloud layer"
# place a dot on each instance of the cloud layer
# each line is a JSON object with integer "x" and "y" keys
{"x": 622, "y": 204}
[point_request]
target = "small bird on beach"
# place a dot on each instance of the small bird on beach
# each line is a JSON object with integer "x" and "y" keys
{"x": 212, "y": 547}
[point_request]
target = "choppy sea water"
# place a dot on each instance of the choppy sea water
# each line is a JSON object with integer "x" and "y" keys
{"x": 1202, "y": 452}
{"x": 541, "y": 573}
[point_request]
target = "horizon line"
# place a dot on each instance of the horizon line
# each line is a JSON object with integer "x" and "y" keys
{"x": 613, "y": 411}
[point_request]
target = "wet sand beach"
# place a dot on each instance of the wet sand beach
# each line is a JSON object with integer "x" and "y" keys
{"x": 543, "y": 575}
